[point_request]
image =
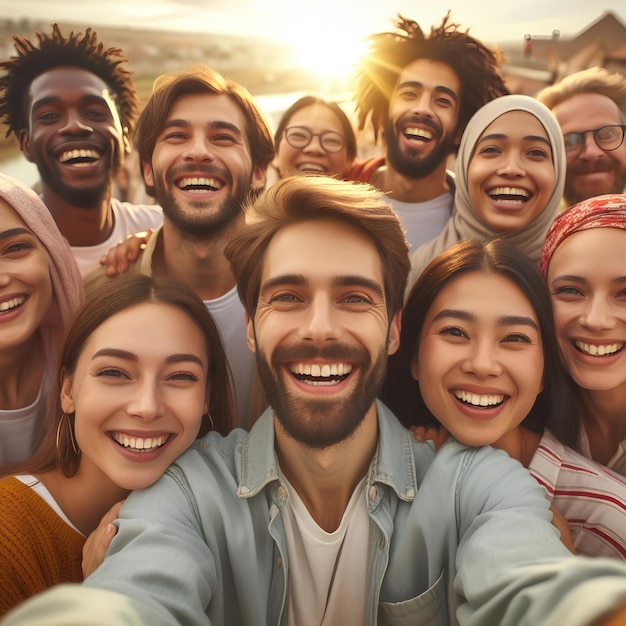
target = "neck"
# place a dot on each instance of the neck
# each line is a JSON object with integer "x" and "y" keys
{"x": 325, "y": 479}
{"x": 603, "y": 421}
{"x": 200, "y": 264}
{"x": 85, "y": 497}
{"x": 520, "y": 444}
{"x": 407, "y": 189}
{"x": 21, "y": 371}
{"x": 79, "y": 225}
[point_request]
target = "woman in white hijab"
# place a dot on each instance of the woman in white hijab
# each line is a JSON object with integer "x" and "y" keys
{"x": 510, "y": 172}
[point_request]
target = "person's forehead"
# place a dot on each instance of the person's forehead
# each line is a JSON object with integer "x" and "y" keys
{"x": 60, "y": 80}
{"x": 322, "y": 248}
{"x": 585, "y": 109}
{"x": 209, "y": 106}
{"x": 430, "y": 72}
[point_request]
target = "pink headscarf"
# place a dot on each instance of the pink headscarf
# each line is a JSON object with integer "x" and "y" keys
{"x": 599, "y": 212}
{"x": 67, "y": 286}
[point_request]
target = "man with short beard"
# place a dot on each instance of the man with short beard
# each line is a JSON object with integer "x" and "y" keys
{"x": 421, "y": 91}
{"x": 72, "y": 105}
{"x": 204, "y": 148}
{"x": 329, "y": 512}
{"x": 590, "y": 107}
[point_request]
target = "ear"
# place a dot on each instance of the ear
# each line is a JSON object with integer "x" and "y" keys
{"x": 67, "y": 394}
{"x": 259, "y": 177}
{"x": 148, "y": 174}
{"x": 24, "y": 140}
{"x": 250, "y": 334}
{"x": 393, "y": 340}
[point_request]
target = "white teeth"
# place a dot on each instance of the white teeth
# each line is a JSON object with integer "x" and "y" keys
{"x": 78, "y": 154}
{"x": 311, "y": 167}
{"x": 420, "y": 133}
{"x": 321, "y": 371}
{"x": 200, "y": 181}
{"x": 521, "y": 194}
{"x": 479, "y": 400}
{"x": 596, "y": 350}
{"x": 139, "y": 443}
{"x": 11, "y": 304}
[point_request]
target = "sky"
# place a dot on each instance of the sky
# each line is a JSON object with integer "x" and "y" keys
{"x": 325, "y": 21}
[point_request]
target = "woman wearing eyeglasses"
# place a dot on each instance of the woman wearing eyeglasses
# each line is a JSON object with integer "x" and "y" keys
{"x": 314, "y": 136}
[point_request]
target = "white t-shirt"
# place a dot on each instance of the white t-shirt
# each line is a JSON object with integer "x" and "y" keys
{"x": 327, "y": 571}
{"x": 128, "y": 219}
{"x": 17, "y": 428}
{"x": 423, "y": 221}
{"x": 228, "y": 313}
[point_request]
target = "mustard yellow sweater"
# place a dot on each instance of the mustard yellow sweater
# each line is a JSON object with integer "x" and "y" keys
{"x": 37, "y": 548}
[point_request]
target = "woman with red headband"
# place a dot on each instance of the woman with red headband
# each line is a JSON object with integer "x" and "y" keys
{"x": 584, "y": 262}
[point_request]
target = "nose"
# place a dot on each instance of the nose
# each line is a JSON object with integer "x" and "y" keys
{"x": 146, "y": 402}
{"x": 423, "y": 106}
{"x": 74, "y": 125}
{"x": 597, "y": 315}
{"x": 320, "y": 321}
{"x": 590, "y": 150}
{"x": 481, "y": 360}
{"x": 198, "y": 148}
{"x": 511, "y": 167}
{"x": 315, "y": 145}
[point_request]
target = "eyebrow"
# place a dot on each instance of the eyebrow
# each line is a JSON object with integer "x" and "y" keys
{"x": 299, "y": 280}
{"x": 15, "y": 231}
{"x": 506, "y": 320}
{"x": 130, "y": 356}
{"x": 217, "y": 125}
{"x": 85, "y": 98}
{"x": 501, "y": 136}
{"x": 418, "y": 85}
{"x": 580, "y": 279}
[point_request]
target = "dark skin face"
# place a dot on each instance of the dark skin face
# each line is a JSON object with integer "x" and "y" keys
{"x": 75, "y": 136}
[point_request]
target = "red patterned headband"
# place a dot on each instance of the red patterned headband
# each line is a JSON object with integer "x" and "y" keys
{"x": 600, "y": 212}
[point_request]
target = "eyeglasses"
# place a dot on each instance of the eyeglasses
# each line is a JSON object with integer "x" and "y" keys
{"x": 301, "y": 136}
{"x": 606, "y": 137}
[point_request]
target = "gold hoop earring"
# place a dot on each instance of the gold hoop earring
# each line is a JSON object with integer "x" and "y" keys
{"x": 66, "y": 444}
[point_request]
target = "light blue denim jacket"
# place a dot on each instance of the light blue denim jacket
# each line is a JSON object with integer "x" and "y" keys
{"x": 462, "y": 535}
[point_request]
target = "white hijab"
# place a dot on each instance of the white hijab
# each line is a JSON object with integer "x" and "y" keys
{"x": 464, "y": 222}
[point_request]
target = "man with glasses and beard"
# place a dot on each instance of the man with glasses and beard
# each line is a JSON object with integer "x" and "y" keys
{"x": 204, "y": 149}
{"x": 330, "y": 512}
{"x": 421, "y": 91}
{"x": 590, "y": 107}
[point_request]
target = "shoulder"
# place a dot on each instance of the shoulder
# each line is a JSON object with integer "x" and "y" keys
{"x": 132, "y": 218}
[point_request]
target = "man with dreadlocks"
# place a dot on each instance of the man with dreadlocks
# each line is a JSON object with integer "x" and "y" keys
{"x": 421, "y": 91}
{"x": 72, "y": 105}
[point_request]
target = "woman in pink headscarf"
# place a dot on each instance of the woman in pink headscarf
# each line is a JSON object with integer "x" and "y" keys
{"x": 40, "y": 288}
{"x": 584, "y": 262}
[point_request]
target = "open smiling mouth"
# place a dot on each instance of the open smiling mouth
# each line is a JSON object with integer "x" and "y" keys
{"x": 515, "y": 196}
{"x": 318, "y": 375}
{"x": 418, "y": 135}
{"x": 478, "y": 400}
{"x": 200, "y": 184}
{"x": 79, "y": 157}
{"x": 591, "y": 349}
{"x": 140, "y": 444}
{"x": 9, "y": 305}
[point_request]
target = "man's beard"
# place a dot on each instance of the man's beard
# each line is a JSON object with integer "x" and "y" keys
{"x": 90, "y": 197}
{"x": 200, "y": 221}
{"x": 320, "y": 422}
{"x": 412, "y": 164}
{"x": 575, "y": 192}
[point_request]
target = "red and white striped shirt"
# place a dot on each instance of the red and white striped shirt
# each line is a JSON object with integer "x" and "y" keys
{"x": 591, "y": 497}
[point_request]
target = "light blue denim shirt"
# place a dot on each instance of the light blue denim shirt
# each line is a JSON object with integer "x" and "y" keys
{"x": 463, "y": 536}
